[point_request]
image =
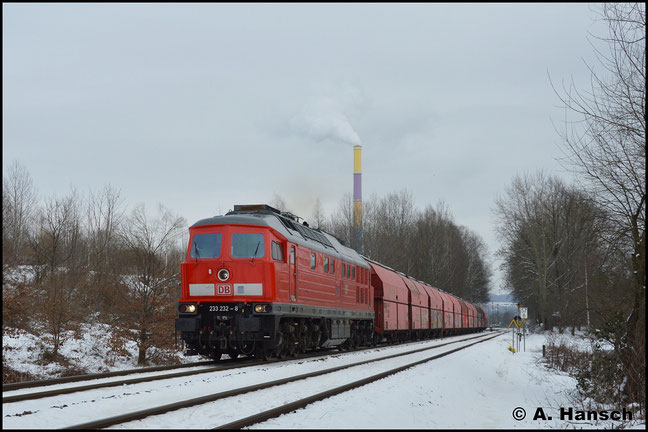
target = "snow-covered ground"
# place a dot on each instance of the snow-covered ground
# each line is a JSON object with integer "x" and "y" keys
{"x": 479, "y": 387}
{"x": 88, "y": 351}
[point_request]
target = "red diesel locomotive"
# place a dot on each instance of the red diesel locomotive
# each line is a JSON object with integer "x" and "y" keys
{"x": 257, "y": 282}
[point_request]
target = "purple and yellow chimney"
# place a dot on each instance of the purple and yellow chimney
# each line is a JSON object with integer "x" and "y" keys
{"x": 356, "y": 233}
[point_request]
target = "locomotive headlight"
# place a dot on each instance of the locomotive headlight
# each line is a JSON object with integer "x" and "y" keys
{"x": 223, "y": 274}
{"x": 262, "y": 308}
{"x": 187, "y": 308}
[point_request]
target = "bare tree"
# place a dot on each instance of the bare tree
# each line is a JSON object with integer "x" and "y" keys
{"x": 18, "y": 211}
{"x": 145, "y": 298}
{"x": 546, "y": 229}
{"x": 478, "y": 272}
{"x": 319, "y": 220}
{"x": 393, "y": 220}
{"x": 58, "y": 252}
{"x": 279, "y": 203}
{"x": 105, "y": 212}
{"x": 342, "y": 220}
{"x": 606, "y": 145}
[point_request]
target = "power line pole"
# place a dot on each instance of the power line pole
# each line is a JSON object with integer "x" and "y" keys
{"x": 586, "y": 299}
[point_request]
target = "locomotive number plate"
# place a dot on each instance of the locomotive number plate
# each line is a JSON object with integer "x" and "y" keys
{"x": 223, "y": 308}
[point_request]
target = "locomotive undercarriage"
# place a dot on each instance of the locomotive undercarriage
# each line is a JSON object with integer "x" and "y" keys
{"x": 266, "y": 336}
{"x": 272, "y": 335}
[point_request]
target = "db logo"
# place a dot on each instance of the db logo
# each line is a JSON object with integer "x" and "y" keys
{"x": 224, "y": 290}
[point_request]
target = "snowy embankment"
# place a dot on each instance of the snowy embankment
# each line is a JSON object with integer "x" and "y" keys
{"x": 87, "y": 351}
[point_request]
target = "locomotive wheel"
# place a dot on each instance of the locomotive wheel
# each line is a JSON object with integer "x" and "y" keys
{"x": 246, "y": 348}
{"x": 215, "y": 355}
{"x": 262, "y": 354}
{"x": 351, "y": 343}
{"x": 301, "y": 346}
{"x": 290, "y": 347}
{"x": 202, "y": 342}
{"x": 282, "y": 353}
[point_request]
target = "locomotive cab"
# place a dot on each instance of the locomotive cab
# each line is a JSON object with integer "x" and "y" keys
{"x": 227, "y": 289}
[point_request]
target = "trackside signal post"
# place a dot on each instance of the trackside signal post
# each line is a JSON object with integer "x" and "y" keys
{"x": 518, "y": 332}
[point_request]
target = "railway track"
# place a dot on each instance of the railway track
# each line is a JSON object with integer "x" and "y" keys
{"x": 302, "y": 403}
{"x": 210, "y": 366}
{"x": 88, "y": 377}
{"x": 276, "y": 411}
{"x": 223, "y": 365}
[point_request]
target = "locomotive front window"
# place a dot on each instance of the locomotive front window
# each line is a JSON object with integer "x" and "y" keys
{"x": 248, "y": 245}
{"x": 206, "y": 245}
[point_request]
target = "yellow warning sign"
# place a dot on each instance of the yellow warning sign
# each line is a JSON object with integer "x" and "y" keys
{"x": 517, "y": 323}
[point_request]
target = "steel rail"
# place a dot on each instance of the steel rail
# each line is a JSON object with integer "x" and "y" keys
{"x": 285, "y": 409}
{"x": 87, "y": 377}
{"x": 138, "y": 415}
{"x": 67, "y": 390}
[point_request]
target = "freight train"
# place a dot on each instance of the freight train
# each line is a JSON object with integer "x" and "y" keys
{"x": 257, "y": 282}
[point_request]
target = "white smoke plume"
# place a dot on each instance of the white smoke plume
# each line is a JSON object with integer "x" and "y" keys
{"x": 325, "y": 118}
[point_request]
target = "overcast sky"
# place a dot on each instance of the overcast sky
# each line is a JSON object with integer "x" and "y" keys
{"x": 203, "y": 106}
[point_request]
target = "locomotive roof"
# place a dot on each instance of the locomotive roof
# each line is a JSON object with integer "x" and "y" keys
{"x": 289, "y": 228}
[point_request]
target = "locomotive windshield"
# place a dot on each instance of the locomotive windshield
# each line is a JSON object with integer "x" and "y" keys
{"x": 247, "y": 245}
{"x": 206, "y": 245}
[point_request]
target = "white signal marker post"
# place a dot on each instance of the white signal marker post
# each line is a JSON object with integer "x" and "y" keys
{"x": 521, "y": 331}
{"x": 518, "y": 330}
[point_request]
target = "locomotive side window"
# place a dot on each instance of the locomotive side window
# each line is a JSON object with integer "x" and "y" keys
{"x": 353, "y": 272}
{"x": 343, "y": 270}
{"x": 326, "y": 265}
{"x": 313, "y": 260}
{"x": 292, "y": 255}
{"x": 332, "y": 266}
{"x": 277, "y": 251}
{"x": 206, "y": 245}
{"x": 247, "y": 245}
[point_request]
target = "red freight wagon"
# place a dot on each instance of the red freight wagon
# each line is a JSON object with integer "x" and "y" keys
{"x": 391, "y": 302}
{"x": 464, "y": 314}
{"x": 482, "y": 318}
{"x": 423, "y": 306}
{"x": 418, "y": 300}
{"x": 472, "y": 316}
{"x": 456, "y": 314}
{"x": 448, "y": 315}
{"x": 436, "y": 310}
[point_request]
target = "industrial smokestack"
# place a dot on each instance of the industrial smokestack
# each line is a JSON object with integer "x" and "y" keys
{"x": 356, "y": 233}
